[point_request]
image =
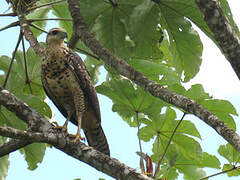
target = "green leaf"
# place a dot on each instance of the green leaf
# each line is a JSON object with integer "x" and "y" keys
{"x": 229, "y": 153}
{"x": 39, "y": 14}
{"x": 191, "y": 172}
{"x": 197, "y": 93}
{"x": 129, "y": 99}
{"x": 35, "y": 102}
{"x": 222, "y": 109}
{"x": 4, "y": 163}
{"x": 186, "y": 127}
{"x": 17, "y": 83}
{"x": 110, "y": 31}
{"x": 157, "y": 72}
{"x": 143, "y": 31}
{"x": 97, "y": 8}
{"x": 93, "y": 67}
{"x": 234, "y": 172}
{"x": 34, "y": 154}
{"x": 194, "y": 149}
{"x": 209, "y": 160}
{"x": 185, "y": 43}
{"x": 8, "y": 118}
{"x": 189, "y": 9}
{"x": 169, "y": 173}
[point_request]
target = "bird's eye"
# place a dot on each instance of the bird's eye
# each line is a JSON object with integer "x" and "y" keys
{"x": 54, "y": 32}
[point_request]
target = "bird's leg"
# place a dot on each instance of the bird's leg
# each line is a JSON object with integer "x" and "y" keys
{"x": 79, "y": 103}
{"x": 64, "y": 127}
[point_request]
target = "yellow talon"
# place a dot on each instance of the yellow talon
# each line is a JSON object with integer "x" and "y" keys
{"x": 77, "y": 137}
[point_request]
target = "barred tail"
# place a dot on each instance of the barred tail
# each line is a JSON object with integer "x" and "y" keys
{"x": 97, "y": 139}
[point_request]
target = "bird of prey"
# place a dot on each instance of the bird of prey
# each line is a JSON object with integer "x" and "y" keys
{"x": 67, "y": 83}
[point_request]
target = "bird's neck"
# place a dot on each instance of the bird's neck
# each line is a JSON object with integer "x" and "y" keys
{"x": 54, "y": 46}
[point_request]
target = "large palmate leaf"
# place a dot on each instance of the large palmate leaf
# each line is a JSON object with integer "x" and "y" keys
{"x": 143, "y": 31}
{"x": 233, "y": 158}
{"x": 129, "y": 99}
{"x": 185, "y": 43}
{"x": 17, "y": 81}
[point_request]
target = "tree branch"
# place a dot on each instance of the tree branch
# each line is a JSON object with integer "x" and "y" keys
{"x": 155, "y": 89}
{"x": 43, "y": 132}
{"x": 224, "y": 34}
{"x": 29, "y": 135}
{"x": 12, "y": 145}
{"x": 29, "y": 36}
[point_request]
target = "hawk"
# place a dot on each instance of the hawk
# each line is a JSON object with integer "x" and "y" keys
{"x": 67, "y": 83}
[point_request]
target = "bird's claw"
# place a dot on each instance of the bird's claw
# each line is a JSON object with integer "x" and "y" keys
{"x": 77, "y": 137}
{"x": 56, "y": 126}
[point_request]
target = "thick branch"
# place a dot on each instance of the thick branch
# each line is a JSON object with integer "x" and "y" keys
{"x": 224, "y": 34}
{"x": 155, "y": 89}
{"x": 29, "y": 36}
{"x": 12, "y": 145}
{"x": 29, "y": 115}
{"x": 29, "y": 135}
{"x": 45, "y": 133}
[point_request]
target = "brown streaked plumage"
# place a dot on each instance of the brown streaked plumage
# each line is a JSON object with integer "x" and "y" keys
{"x": 67, "y": 83}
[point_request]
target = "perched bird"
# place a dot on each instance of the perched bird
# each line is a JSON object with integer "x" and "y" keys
{"x": 67, "y": 83}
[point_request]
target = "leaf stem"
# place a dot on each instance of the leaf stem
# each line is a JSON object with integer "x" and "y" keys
{"x": 16, "y": 23}
{"x": 139, "y": 141}
{"x": 223, "y": 172}
{"x": 25, "y": 66}
{"x": 157, "y": 168}
{"x": 9, "y": 14}
{"x": 49, "y": 19}
{"x": 43, "y": 5}
{"x": 165, "y": 150}
{"x": 13, "y": 56}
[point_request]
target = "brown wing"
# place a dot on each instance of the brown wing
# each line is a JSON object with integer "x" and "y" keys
{"x": 94, "y": 133}
{"x": 84, "y": 80}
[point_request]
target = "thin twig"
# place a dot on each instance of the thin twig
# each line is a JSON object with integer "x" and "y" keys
{"x": 43, "y": 5}
{"x": 88, "y": 53}
{"x": 139, "y": 141}
{"x": 169, "y": 141}
{"x": 25, "y": 66}
{"x": 9, "y": 14}
{"x": 37, "y": 27}
{"x": 13, "y": 56}
{"x": 223, "y": 172}
{"x": 10, "y": 25}
{"x": 157, "y": 168}
{"x": 49, "y": 19}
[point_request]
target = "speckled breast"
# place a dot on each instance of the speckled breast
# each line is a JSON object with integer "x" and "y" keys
{"x": 59, "y": 79}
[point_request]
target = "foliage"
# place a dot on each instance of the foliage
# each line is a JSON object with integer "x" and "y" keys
{"x": 155, "y": 39}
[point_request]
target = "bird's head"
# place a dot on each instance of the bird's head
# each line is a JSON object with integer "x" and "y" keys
{"x": 56, "y": 36}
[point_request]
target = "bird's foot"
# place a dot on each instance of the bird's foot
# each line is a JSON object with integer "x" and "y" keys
{"x": 56, "y": 126}
{"x": 77, "y": 137}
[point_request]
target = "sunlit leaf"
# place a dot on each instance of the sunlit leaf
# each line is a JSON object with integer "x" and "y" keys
{"x": 34, "y": 154}
{"x": 223, "y": 109}
{"x": 229, "y": 153}
{"x": 185, "y": 43}
{"x": 230, "y": 170}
